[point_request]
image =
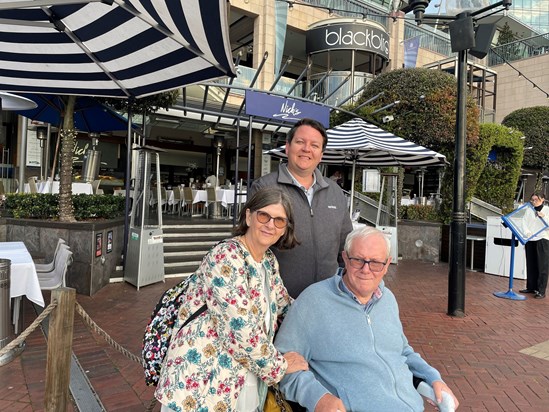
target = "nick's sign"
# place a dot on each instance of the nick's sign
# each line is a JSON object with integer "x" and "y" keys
{"x": 284, "y": 108}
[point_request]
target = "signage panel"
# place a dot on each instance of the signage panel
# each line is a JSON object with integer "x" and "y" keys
{"x": 284, "y": 108}
{"x": 351, "y": 36}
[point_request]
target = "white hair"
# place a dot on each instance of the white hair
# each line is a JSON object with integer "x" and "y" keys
{"x": 363, "y": 233}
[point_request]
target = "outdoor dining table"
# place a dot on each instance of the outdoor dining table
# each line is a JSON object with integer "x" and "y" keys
{"x": 225, "y": 196}
{"x": 23, "y": 276}
{"x": 53, "y": 187}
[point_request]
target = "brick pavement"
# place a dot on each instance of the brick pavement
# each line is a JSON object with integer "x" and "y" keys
{"x": 495, "y": 358}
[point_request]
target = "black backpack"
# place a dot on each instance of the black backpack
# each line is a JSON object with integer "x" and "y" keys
{"x": 159, "y": 329}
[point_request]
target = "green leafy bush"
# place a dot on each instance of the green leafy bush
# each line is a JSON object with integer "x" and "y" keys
{"x": 46, "y": 206}
{"x": 419, "y": 212}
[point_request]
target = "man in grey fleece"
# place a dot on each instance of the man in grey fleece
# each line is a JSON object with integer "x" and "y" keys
{"x": 320, "y": 208}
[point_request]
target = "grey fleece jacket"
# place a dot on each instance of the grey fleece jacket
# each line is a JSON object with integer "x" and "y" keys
{"x": 321, "y": 229}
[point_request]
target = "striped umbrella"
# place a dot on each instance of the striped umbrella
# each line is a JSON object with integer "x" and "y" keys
{"x": 130, "y": 48}
{"x": 359, "y": 143}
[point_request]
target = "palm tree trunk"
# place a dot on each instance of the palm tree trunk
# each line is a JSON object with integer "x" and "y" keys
{"x": 68, "y": 135}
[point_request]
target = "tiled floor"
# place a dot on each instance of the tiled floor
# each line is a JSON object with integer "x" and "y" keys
{"x": 495, "y": 358}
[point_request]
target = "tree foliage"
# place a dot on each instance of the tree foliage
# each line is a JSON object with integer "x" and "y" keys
{"x": 149, "y": 104}
{"x": 426, "y": 115}
{"x": 533, "y": 122}
{"x": 509, "y": 50}
{"x": 499, "y": 173}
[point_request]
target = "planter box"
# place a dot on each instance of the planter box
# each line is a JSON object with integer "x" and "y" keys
{"x": 419, "y": 240}
{"x": 92, "y": 266}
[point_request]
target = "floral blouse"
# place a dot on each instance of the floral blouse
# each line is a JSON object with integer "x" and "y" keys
{"x": 207, "y": 361}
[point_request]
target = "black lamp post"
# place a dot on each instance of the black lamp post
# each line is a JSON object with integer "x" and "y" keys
{"x": 464, "y": 38}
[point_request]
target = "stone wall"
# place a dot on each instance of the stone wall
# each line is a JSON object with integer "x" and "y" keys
{"x": 92, "y": 265}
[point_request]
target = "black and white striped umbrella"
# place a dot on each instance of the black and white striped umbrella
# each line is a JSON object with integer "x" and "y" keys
{"x": 132, "y": 48}
{"x": 359, "y": 143}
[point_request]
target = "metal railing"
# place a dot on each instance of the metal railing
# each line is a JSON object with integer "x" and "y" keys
{"x": 519, "y": 49}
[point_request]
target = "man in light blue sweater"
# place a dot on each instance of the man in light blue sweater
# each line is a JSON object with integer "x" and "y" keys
{"x": 348, "y": 328}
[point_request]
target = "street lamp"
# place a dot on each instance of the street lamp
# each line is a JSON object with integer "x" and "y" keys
{"x": 463, "y": 38}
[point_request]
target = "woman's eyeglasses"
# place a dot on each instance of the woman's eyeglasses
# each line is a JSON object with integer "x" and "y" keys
{"x": 374, "y": 266}
{"x": 264, "y": 218}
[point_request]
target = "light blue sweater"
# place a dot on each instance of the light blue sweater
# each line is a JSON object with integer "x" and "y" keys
{"x": 360, "y": 356}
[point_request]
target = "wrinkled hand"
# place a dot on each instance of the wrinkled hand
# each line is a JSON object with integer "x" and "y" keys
{"x": 330, "y": 403}
{"x": 439, "y": 387}
{"x": 296, "y": 362}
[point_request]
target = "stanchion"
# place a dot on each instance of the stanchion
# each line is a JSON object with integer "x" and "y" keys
{"x": 6, "y": 328}
{"x": 510, "y": 294}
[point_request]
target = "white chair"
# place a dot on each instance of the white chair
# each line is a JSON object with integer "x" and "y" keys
{"x": 48, "y": 267}
{"x": 32, "y": 185}
{"x": 56, "y": 278}
{"x": 95, "y": 187}
{"x": 163, "y": 199}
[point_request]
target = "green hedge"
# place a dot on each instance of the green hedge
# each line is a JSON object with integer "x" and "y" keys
{"x": 419, "y": 212}
{"x": 46, "y": 206}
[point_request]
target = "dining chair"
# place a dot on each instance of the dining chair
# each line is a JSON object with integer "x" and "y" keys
{"x": 211, "y": 199}
{"x": 187, "y": 201}
{"x": 95, "y": 187}
{"x": 32, "y": 185}
{"x": 163, "y": 199}
{"x": 48, "y": 267}
{"x": 56, "y": 277}
{"x": 176, "y": 200}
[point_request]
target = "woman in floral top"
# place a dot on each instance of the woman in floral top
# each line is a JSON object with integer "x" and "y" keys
{"x": 224, "y": 360}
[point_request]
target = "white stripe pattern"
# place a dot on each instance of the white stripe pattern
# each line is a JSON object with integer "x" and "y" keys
{"x": 132, "y": 48}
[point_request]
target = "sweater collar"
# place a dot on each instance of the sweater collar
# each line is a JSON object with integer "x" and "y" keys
{"x": 342, "y": 287}
{"x": 284, "y": 176}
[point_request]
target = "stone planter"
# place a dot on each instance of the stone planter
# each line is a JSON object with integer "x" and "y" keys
{"x": 419, "y": 240}
{"x": 92, "y": 264}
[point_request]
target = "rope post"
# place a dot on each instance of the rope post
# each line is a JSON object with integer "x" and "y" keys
{"x": 58, "y": 363}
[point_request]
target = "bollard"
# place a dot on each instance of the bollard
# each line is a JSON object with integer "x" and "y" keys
{"x": 6, "y": 328}
{"x": 5, "y": 324}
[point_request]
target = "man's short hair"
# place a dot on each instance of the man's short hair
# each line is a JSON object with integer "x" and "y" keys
{"x": 365, "y": 232}
{"x": 312, "y": 123}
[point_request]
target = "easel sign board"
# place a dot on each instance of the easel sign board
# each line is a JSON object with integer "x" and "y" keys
{"x": 525, "y": 223}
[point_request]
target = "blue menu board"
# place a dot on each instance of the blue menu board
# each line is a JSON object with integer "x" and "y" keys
{"x": 525, "y": 223}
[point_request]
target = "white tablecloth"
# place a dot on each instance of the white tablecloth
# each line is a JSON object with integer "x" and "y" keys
{"x": 225, "y": 196}
{"x": 23, "y": 279}
{"x": 44, "y": 187}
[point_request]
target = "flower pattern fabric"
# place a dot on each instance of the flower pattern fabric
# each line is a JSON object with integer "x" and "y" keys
{"x": 207, "y": 360}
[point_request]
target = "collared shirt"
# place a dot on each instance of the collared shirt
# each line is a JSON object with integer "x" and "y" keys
{"x": 365, "y": 306}
{"x": 308, "y": 192}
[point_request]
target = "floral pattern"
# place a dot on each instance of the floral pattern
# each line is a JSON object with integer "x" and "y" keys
{"x": 208, "y": 359}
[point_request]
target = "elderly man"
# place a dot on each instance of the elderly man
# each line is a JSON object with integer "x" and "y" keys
{"x": 348, "y": 328}
{"x": 320, "y": 208}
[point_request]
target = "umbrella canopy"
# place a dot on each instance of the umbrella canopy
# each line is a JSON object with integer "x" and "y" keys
{"x": 89, "y": 114}
{"x": 132, "y": 48}
{"x": 357, "y": 142}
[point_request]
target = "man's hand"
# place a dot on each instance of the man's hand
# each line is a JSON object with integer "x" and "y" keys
{"x": 439, "y": 387}
{"x": 296, "y": 362}
{"x": 330, "y": 403}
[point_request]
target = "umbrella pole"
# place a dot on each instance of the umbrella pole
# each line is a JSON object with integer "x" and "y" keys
{"x": 352, "y": 189}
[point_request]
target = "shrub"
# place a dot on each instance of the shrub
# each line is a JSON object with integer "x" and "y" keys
{"x": 46, "y": 206}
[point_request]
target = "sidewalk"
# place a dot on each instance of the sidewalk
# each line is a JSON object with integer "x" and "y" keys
{"x": 495, "y": 358}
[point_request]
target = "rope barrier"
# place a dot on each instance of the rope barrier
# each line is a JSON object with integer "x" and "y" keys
{"x": 21, "y": 338}
{"x": 95, "y": 327}
{"x": 89, "y": 321}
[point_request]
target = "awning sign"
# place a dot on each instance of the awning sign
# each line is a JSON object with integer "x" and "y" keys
{"x": 284, "y": 108}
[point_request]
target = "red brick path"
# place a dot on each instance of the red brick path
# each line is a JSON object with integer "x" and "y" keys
{"x": 478, "y": 355}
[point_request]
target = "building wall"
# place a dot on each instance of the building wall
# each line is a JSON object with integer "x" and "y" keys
{"x": 514, "y": 92}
